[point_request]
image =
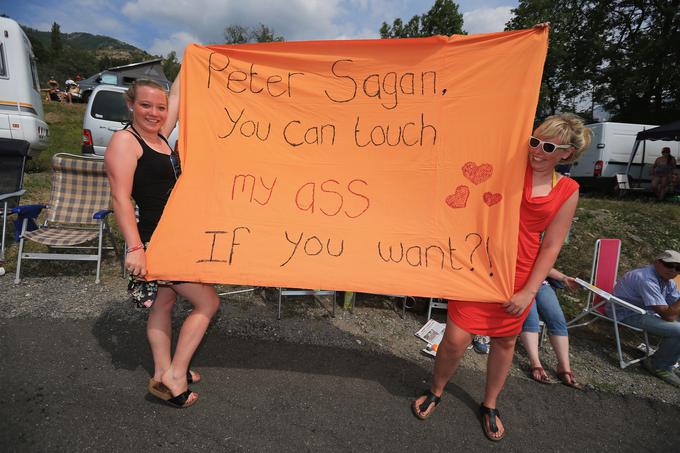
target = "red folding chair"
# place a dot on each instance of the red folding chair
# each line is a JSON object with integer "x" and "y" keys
{"x": 602, "y": 281}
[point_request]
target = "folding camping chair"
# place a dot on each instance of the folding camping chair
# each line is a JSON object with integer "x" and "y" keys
{"x": 79, "y": 202}
{"x": 436, "y": 303}
{"x": 393, "y": 296}
{"x": 284, "y": 292}
{"x": 602, "y": 280}
{"x": 12, "y": 161}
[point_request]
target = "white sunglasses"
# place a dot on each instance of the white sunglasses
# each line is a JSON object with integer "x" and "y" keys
{"x": 548, "y": 147}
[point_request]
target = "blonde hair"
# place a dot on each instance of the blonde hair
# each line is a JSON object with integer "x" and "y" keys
{"x": 131, "y": 93}
{"x": 570, "y": 129}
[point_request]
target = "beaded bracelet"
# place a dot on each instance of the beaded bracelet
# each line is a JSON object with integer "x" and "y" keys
{"x": 135, "y": 248}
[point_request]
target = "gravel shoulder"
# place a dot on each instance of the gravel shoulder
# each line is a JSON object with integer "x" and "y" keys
{"x": 375, "y": 324}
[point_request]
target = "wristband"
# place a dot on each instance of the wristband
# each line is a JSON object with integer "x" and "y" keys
{"x": 135, "y": 248}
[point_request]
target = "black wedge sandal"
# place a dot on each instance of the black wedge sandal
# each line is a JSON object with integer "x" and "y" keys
{"x": 182, "y": 400}
{"x": 492, "y": 429}
{"x": 425, "y": 405}
{"x": 160, "y": 391}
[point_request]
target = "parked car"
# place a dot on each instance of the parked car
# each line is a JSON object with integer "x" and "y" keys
{"x": 106, "y": 113}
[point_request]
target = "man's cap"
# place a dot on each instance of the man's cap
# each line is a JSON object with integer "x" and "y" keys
{"x": 669, "y": 256}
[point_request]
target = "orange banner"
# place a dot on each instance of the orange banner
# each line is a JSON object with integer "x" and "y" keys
{"x": 378, "y": 166}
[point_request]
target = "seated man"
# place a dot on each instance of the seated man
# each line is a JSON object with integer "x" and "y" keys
{"x": 652, "y": 288}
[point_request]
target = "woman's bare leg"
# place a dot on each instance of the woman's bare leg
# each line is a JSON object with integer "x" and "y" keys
{"x": 560, "y": 344}
{"x": 159, "y": 330}
{"x": 205, "y": 304}
{"x": 497, "y": 368}
{"x": 449, "y": 354}
{"x": 530, "y": 342}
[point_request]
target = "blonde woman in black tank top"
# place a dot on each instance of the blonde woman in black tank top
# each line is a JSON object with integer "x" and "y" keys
{"x": 138, "y": 164}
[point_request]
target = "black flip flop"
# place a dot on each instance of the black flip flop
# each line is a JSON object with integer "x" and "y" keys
{"x": 493, "y": 427}
{"x": 431, "y": 398}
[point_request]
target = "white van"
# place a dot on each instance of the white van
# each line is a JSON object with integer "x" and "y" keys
{"x": 609, "y": 152}
{"x": 106, "y": 113}
{"x": 21, "y": 109}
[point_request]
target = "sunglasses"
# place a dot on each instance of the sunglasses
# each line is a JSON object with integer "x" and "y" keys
{"x": 174, "y": 160}
{"x": 547, "y": 147}
{"x": 671, "y": 266}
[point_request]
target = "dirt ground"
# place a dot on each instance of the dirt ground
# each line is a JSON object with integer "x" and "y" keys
{"x": 374, "y": 324}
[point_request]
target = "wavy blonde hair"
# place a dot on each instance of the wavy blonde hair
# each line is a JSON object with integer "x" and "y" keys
{"x": 570, "y": 129}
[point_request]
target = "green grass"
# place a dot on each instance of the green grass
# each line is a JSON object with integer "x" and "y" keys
{"x": 66, "y": 129}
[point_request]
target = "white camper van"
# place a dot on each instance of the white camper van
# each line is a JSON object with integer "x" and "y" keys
{"x": 21, "y": 109}
{"x": 609, "y": 152}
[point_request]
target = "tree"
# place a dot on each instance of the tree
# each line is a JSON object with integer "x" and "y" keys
{"x": 570, "y": 67}
{"x": 640, "y": 75}
{"x": 442, "y": 19}
{"x": 621, "y": 54}
{"x": 262, "y": 33}
{"x": 238, "y": 34}
{"x": 55, "y": 37}
{"x": 40, "y": 52}
{"x": 171, "y": 66}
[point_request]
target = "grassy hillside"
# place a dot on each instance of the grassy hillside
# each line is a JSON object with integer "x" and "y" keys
{"x": 81, "y": 53}
{"x": 85, "y": 41}
{"x": 644, "y": 226}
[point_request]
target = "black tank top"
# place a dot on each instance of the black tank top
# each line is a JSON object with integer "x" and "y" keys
{"x": 153, "y": 181}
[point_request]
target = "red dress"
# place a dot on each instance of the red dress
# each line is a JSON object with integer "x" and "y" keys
{"x": 536, "y": 213}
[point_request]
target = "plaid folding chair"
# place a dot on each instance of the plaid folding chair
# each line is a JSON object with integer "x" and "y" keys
{"x": 12, "y": 160}
{"x": 285, "y": 292}
{"x": 602, "y": 281}
{"x": 76, "y": 214}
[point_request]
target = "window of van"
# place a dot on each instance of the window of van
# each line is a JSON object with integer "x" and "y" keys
{"x": 110, "y": 79}
{"x": 110, "y": 106}
{"x": 3, "y": 62}
{"x": 34, "y": 73}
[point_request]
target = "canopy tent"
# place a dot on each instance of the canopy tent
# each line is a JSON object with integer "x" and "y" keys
{"x": 665, "y": 132}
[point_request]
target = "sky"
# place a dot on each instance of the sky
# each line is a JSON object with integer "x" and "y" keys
{"x": 160, "y": 26}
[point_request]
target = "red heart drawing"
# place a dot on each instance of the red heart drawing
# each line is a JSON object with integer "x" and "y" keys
{"x": 477, "y": 173}
{"x": 492, "y": 198}
{"x": 459, "y": 198}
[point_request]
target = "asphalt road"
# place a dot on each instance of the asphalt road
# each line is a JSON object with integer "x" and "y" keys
{"x": 75, "y": 385}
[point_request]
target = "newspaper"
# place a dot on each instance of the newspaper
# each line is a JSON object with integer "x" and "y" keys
{"x": 432, "y": 333}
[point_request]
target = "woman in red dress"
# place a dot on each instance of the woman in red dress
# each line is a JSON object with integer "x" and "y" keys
{"x": 548, "y": 204}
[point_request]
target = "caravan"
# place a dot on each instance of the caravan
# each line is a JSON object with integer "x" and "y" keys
{"x": 609, "y": 152}
{"x": 21, "y": 109}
